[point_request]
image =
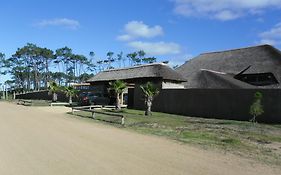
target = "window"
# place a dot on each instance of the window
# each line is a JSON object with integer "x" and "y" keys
{"x": 260, "y": 79}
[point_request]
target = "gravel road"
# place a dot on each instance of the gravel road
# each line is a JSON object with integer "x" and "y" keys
{"x": 46, "y": 141}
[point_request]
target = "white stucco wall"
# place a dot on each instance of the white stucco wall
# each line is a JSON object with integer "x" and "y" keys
{"x": 169, "y": 85}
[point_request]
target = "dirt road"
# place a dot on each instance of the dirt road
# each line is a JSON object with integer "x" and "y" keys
{"x": 45, "y": 141}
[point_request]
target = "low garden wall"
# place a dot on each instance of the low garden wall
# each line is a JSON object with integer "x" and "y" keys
{"x": 42, "y": 95}
{"x": 215, "y": 103}
{"x": 207, "y": 103}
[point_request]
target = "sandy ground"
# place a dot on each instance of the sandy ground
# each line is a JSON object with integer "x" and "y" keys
{"x": 45, "y": 141}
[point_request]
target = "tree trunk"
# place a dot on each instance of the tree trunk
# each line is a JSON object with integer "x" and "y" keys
{"x": 36, "y": 79}
{"x": 148, "y": 106}
{"x": 118, "y": 106}
{"x": 3, "y": 92}
{"x": 28, "y": 82}
{"x": 253, "y": 120}
{"x": 70, "y": 99}
{"x": 55, "y": 97}
{"x": 122, "y": 98}
{"x": 47, "y": 74}
{"x": 34, "y": 84}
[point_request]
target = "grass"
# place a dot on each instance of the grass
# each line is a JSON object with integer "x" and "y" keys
{"x": 260, "y": 141}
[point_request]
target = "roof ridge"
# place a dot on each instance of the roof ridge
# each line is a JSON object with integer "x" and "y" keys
{"x": 217, "y": 72}
{"x": 154, "y": 70}
{"x": 242, "y": 48}
{"x": 133, "y": 67}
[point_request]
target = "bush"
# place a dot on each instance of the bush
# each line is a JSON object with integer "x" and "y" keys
{"x": 256, "y": 108}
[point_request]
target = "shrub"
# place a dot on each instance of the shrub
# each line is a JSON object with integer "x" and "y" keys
{"x": 256, "y": 109}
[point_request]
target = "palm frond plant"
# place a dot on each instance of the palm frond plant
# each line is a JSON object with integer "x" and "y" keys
{"x": 70, "y": 92}
{"x": 54, "y": 88}
{"x": 118, "y": 87}
{"x": 150, "y": 91}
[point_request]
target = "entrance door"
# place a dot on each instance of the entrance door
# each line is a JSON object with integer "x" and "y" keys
{"x": 131, "y": 96}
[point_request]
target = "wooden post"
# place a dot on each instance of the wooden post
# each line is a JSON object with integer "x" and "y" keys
{"x": 72, "y": 111}
{"x": 93, "y": 115}
{"x": 123, "y": 120}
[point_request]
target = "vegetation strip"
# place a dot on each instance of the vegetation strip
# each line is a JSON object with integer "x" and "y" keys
{"x": 261, "y": 142}
{"x": 94, "y": 112}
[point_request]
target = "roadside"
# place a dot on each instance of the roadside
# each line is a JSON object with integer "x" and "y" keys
{"x": 44, "y": 140}
{"x": 261, "y": 142}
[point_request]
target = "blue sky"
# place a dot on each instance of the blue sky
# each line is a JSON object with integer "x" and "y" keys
{"x": 173, "y": 30}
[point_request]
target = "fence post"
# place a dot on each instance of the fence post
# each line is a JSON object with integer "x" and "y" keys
{"x": 93, "y": 115}
{"x": 123, "y": 120}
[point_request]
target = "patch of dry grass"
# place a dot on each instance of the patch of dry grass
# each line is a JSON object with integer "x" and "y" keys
{"x": 260, "y": 141}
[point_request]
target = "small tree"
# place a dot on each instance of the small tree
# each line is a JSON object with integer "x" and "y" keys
{"x": 70, "y": 92}
{"x": 150, "y": 91}
{"x": 118, "y": 87}
{"x": 54, "y": 88}
{"x": 256, "y": 108}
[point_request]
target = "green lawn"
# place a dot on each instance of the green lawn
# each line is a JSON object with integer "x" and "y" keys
{"x": 260, "y": 141}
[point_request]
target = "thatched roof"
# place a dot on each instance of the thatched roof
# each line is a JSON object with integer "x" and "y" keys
{"x": 214, "y": 80}
{"x": 156, "y": 70}
{"x": 263, "y": 58}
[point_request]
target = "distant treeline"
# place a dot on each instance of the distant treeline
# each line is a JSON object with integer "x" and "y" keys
{"x": 32, "y": 67}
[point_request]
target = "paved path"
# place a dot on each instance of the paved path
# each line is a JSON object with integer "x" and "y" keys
{"x": 44, "y": 141}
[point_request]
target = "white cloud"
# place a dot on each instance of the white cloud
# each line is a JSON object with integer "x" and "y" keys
{"x": 268, "y": 41}
{"x": 272, "y": 36}
{"x": 137, "y": 29}
{"x": 226, "y": 15}
{"x": 156, "y": 48}
{"x": 223, "y": 9}
{"x": 179, "y": 60}
{"x": 63, "y": 22}
{"x": 261, "y": 20}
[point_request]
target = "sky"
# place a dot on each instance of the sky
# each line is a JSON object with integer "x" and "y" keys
{"x": 173, "y": 30}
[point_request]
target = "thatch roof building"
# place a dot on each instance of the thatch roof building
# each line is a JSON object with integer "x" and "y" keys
{"x": 156, "y": 71}
{"x": 159, "y": 74}
{"x": 251, "y": 67}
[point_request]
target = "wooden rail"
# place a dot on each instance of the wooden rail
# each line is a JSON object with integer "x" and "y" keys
{"x": 54, "y": 104}
{"x": 93, "y": 112}
{"x": 24, "y": 102}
